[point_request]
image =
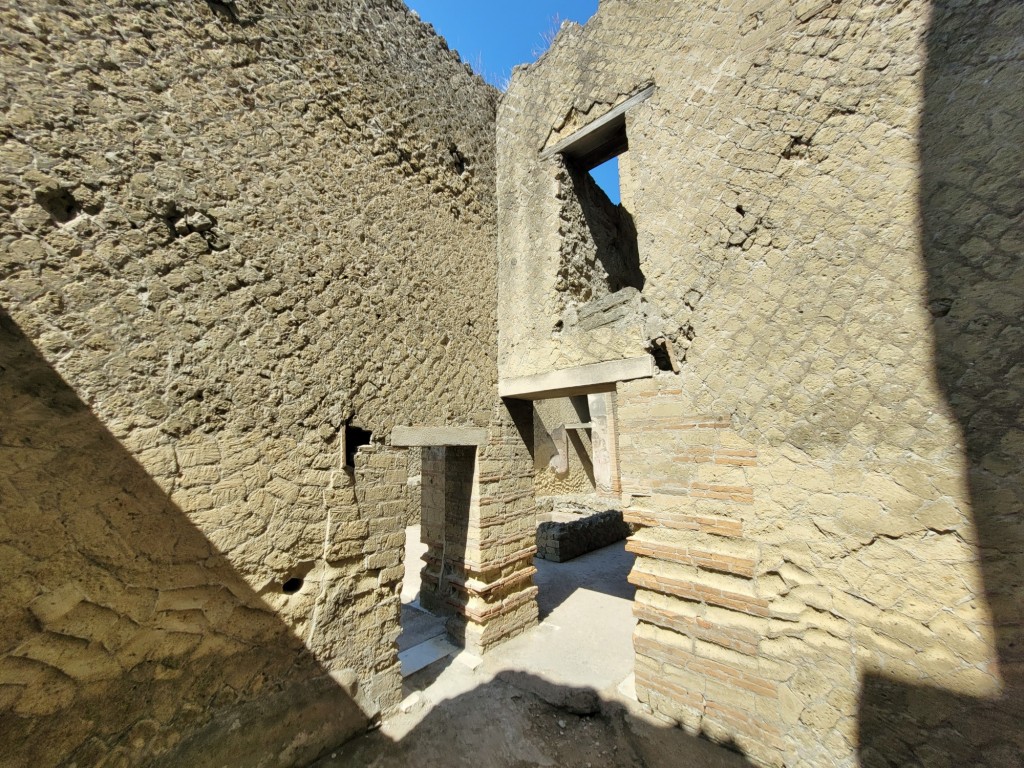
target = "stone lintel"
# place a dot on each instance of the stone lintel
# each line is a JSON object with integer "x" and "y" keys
{"x": 602, "y": 138}
{"x": 411, "y": 437}
{"x": 581, "y": 380}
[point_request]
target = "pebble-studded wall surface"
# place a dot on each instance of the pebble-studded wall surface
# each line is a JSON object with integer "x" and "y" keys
{"x": 227, "y": 231}
{"x": 827, "y": 198}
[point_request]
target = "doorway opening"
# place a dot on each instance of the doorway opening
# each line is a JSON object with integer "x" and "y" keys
{"x": 585, "y": 600}
{"x": 440, "y": 492}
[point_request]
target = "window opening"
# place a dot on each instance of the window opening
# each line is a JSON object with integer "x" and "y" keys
{"x": 606, "y": 176}
{"x": 602, "y": 139}
{"x": 599, "y": 277}
{"x": 599, "y": 252}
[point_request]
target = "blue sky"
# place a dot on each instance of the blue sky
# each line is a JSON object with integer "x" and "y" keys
{"x": 492, "y": 36}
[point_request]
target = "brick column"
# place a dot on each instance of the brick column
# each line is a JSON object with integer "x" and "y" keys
{"x": 479, "y": 523}
{"x": 702, "y": 618}
{"x": 380, "y": 480}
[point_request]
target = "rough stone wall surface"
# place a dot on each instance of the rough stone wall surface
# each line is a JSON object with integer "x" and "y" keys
{"x": 227, "y": 231}
{"x": 563, "y": 540}
{"x": 448, "y": 474}
{"x": 598, "y": 244}
{"x": 563, "y": 458}
{"x": 413, "y": 490}
{"x": 827, "y": 198}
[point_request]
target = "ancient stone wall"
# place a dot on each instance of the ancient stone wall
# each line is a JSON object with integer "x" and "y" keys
{"x": 827, "y": 198}
{"x": 563, "y": 458}
{"x": 569, "y": 536}
{"x": 228, "y": 231}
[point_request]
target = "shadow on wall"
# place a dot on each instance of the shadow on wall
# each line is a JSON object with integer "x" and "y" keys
{"x": 972, "y": 218}
{"x": 124, "y": 634}
{"x": 561, "y": 450}
{"x": 447, "y": 502}
{"x": 500, "y": 725}
{"x": 521, "y": 412}
{"x": 613, "y": 231}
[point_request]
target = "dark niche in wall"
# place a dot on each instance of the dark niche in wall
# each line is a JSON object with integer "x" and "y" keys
{"x": 354, "y": 438}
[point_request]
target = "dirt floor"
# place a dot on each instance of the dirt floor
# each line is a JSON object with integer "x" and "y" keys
{"x": 498, "y": 725}
{"x": 558, "y": 695}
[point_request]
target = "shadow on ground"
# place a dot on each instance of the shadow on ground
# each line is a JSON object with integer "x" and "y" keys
{"x": 499, "y": 725}
{"x": 595, "y": 571}
{"x": 534, "y": 700}
{"x": 126, "y": 637}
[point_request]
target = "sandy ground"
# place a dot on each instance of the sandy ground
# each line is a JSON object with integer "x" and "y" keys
{"x": 521, "y": 704}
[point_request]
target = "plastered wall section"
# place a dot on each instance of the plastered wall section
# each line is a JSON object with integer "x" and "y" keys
{"x": 225, "y": 233}
{"x": 563, "y": 256}
{"x": 831, "y": 488}
{"x": 563, "y": 458}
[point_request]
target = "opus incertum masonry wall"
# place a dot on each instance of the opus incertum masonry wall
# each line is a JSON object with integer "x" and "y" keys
{"x": 254, "y": 253}
{"x": 229, "y": 231}
{"x": 826, "y": 199}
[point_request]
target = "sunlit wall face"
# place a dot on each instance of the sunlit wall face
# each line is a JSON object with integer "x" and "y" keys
{"x": 237, "y": 238}
{"x": 827, "y": 220}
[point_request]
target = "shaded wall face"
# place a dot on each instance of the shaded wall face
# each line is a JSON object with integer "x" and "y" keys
{"x": 225, "y": 235}
{"x": 563, "y": 456}
{"x": 126, "y": 634}
{"x": 971, "y": 199}
{"x": 826, "y": 204}
{"x": 448, "y": 474}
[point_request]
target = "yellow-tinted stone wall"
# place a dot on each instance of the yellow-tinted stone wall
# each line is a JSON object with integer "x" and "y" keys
{"x": 563, "y": 458}
{"x": 227, "y": 231}
{"x": 827, "y": 198}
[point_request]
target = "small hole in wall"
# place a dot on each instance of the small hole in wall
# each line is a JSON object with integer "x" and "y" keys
{"x": 457, "y": 159}
{"x": 799, "y": 147}
{"x": 355, "y": 437}
{"x": 292, "y": 586}
{"x": 741, "y": 210}
{"x": 225, "y": 9}
{"x": 59, "y": 203}
{"x": 661, "y": 358}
